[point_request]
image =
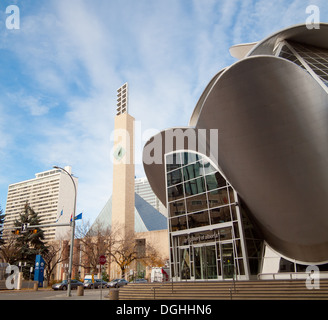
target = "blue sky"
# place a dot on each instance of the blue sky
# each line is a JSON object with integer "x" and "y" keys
{"x": 59, "y": 74}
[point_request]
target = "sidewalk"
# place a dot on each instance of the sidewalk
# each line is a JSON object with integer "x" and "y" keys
{"x": 49, "y": 294}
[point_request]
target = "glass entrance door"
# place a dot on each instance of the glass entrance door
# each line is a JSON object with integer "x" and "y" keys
{"x": 227, "y": 260}
{"x": 185, "y": 263}
{"x": 205, "y": 262}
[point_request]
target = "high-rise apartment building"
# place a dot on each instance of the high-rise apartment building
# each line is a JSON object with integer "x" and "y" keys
{"x": 144, "y": 190}
{"x": 50, "y": 194}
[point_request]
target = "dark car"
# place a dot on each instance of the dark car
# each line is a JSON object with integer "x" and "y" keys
{"x": 88, "y": 284}
{"x": 117, "y": 283}
{"x": 64, "y": 285}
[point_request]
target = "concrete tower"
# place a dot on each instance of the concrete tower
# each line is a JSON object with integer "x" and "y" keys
{"x": 123, "y": 167}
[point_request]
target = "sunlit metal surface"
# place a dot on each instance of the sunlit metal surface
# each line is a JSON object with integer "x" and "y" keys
{"x": 273, "y": 148}
{"x": 272, "y": 122}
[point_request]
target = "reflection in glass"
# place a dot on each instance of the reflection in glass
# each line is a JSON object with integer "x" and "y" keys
{"x": 206, "y": 167}
{"x": 192, "y": 171}
{"x": 196, "y": 203}
{"x": 195, "y": 186}
{"x": 218, "y": 197}
{"x": 228, "y": 261}
{"x": 233, "y": 212}
{"x": 198, "y": 219}
{"x": 215, "y": 181}
{"x": 173, "y": 161}
{"x": 205, "y": 262}
{"x": 190, "y": 157}
{"x": 177, "y": 208}
{"x": 225, "y": 234}
{"x": 179, "y": 223}
{"x": 238, "y": 248}
{"x": 175, "y": 193}
{"x": 236, "y": 229}
{"x": 198, "y": 196}
{"x": 174, "y": 177}
{"x": 211, "y": 262}
{"x": 220, "y": 215}
{"x": 198, "y": 261}
{"x": 185, "y": 264}
{"x": 231, "y": 195}
{"x": 183, "y": 240}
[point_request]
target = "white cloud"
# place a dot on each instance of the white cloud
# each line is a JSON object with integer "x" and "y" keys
{"x": 77, "y": 53}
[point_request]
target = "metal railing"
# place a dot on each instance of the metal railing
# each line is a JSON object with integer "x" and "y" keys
{"x": 232, "y": 288}
{"x": 163, "y": 284}
{"x": 289, "y": 275}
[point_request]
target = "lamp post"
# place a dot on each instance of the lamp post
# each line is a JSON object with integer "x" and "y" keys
{"x": 69, "y": 278}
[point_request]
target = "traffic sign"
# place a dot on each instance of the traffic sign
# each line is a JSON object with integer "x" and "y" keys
{"x": 102, "y": 260}
{"x": 24, "y": 227}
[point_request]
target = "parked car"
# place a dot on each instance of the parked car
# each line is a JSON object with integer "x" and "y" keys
{"x": 64, "y": 284}
{"x": 117, "y": 283}
{"x": 97, "y": 284}
{"x": 140, "y": 281}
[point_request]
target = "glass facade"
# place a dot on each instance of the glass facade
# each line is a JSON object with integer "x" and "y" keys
{"x": 205, "y": 223}
{"x": 310, "y": 58}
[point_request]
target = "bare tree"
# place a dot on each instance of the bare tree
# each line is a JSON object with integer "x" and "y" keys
{"x": 9, "y": 250}
{"x": 114, "y": 244}
{"x": 54, "y": 256}
{"x": 94, "y": 242}
{"x": 124, "y": 251}
{"x": 129, "y": 248}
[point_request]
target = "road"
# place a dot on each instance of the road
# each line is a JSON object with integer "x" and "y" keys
{"x": 90, "y": 294}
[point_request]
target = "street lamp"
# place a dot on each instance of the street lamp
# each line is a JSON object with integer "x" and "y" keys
{"x": 69, "y": 278}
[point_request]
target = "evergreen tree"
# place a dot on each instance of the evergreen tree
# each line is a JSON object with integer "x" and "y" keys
{"x": 29, "y": 243}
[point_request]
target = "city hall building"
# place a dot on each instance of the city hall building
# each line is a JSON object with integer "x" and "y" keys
{"x": 246, "y": 182}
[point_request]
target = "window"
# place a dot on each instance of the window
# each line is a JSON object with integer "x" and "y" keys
{"x": 175, "y": 193}
{"x": 220, "y": 215}
{"x": 195, "y": 186}
{"x": 313, "y": 58}
{"x": 214, "y": 181}
{"x": 198, "y": 219}
{"x": 179, "y": 223}
{"x": 218, "y": 197}
{"x": 174, "y": 177}
{"x": 192, "y": 171}
{"x": 177, "y": 208}
{"x": 173, "y": 161}
{"x": 196, "y": 203}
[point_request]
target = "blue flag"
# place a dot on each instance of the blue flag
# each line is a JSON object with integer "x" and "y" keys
{"x": 79, "y": 216}
{"x": 61, "y": 213}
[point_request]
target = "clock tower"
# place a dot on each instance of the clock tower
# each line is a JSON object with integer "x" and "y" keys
{"x": 123, "y": 167}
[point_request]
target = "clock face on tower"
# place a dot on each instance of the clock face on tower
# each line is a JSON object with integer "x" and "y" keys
{"x": 119, "y": 153}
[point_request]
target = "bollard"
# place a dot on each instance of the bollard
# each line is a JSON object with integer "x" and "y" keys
{"x": 36, "y": 286}
{"x": 80, "y": 291}
{"x": 113, "y": 294}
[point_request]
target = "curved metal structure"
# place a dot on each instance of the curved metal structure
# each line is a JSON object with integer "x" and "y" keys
{"x": 272, "y": 120}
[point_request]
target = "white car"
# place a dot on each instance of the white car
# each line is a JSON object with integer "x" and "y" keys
{"x": 117, "y": 283}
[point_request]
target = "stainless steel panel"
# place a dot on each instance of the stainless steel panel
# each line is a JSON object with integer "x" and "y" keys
{"x": 272, "y": 118}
